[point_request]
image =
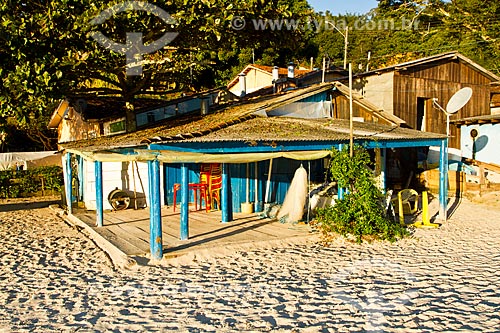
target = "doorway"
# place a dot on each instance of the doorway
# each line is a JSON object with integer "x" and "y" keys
{"x": 424, "y": 107}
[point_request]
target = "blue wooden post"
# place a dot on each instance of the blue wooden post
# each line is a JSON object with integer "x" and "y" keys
{"x": 69, "y": 186}
{"x": 340, "y": 193}
{"x": 99, "y": 194}
{"x": 184, "y": 201}
{"x": 383, "y": 167}
{"x": 340, "y": 190}
{"x": 155, "y": 236}
{"x": 80, "y": 177}
{"x": 443, "y": 180}
{"x": 226, "y": 204}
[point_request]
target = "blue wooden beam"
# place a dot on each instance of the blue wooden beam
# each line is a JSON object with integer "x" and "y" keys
{"x": 184, "y": 202}
{"x": 443, "y": 180}
{"x": 129, "y": 150}
{"x": 99, "y": 194}
{"x": 81, "y": 178}
{"x": 266, "y": 147}
{"x": 68, "y": 184}
{"x": 399, "y": 143}
{"x": 155, "y": 233}
{"x": 226, "y": 204}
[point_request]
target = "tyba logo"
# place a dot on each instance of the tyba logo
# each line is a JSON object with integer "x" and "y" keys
{"x": 134, "y": 47}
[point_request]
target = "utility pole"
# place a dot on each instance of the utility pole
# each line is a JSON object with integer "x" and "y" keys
{"x": 351, "y": 125}
{"x": 346, "y": 40}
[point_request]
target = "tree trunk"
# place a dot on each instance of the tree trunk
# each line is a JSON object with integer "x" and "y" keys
{"x": 130, "y": 122}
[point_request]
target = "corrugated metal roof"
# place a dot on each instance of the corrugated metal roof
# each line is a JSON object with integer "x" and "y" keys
{"x": 293, "y": 129}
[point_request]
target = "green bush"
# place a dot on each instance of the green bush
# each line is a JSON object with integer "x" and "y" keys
{"x": 26, "y": 183}
{"x": 361, "y": 213}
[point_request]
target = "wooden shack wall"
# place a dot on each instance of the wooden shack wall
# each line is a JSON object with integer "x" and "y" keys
{"x": 440, "y": 81}
{"x": 74, "y": 128}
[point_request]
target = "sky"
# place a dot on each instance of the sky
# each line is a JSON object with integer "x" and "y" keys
{"x": 343, "y": 6}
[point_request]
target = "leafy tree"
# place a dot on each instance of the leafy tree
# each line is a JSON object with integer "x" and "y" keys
{"x": 360, "y": 213}
{"x": 403, "y": 30}
{"x": 473, "y": 25}
{"x": 46, "y": 51}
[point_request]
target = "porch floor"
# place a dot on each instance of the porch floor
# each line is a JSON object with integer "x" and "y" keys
{"x": 128, "y": 230}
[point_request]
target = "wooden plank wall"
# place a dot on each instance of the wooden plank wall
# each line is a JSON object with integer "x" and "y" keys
{"x": 281, "y": 177}
{"x": 440, "y": 81}
{"x": 341, "y": 110}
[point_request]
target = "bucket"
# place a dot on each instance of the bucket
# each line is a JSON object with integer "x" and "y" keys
{"x": 247, "y": 207}
{"x": 258, "y": 206}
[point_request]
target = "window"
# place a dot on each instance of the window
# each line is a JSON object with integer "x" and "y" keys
{"x": 117, "y": 127}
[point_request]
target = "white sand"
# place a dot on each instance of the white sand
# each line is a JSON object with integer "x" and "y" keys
{"x": 53, "y": 279}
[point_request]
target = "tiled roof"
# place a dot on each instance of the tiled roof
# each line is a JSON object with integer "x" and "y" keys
{"x": 281, "y": 70}
{"x": 268, "y": 69}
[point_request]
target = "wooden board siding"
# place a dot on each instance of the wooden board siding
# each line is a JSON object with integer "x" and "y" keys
{"x": 495, "y": 96}
{"x": 440, "y": 81}
{"x": 448, "y": 71}
{"x": 341, "y": 111}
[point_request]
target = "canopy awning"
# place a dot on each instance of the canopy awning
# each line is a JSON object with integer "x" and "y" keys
{"x": 167, "y": 156}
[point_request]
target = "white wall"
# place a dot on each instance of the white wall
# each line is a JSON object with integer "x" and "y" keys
{"x": 255, "y": 80}
{"x": 486, "y": 143}
{"x": 117, "y": 175}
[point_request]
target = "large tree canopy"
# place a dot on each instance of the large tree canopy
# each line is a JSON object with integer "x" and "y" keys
{"x": 46, "y": 51}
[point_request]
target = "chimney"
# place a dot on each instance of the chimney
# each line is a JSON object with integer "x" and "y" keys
{"x": 243, "y": 84}
{"x": 276, "y": 73}
{"x": 276, "y": 77}
{"x": 291, "y": 70}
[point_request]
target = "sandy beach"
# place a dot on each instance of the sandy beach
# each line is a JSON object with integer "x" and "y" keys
{"x": 52, "y": 278}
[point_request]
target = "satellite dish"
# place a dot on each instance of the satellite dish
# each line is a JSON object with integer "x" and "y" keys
{"x": 458, "y": 100}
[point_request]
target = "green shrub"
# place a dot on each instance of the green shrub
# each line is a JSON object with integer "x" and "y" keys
{"x": 26, "y": 183}
{"x": 361, "y": 213}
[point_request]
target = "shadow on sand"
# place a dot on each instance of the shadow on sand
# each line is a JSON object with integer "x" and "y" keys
{"x": 26, "y": 204}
